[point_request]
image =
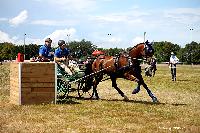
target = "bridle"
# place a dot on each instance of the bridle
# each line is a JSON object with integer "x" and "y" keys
{"x": 147, "y": 50}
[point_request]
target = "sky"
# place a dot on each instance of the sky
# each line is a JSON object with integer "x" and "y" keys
{"x": 106, "y": 23}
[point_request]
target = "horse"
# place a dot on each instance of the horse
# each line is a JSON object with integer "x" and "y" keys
{"x": 123, "y": 66}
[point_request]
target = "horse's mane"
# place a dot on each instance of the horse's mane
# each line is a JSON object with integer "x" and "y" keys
{"x": 136, "y": 46}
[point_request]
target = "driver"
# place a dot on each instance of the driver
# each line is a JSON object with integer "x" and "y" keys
{"x": 61, "y": 56}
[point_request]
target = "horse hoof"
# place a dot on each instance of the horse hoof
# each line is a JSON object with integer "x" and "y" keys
{"x": 126, "y": 98}
{"x": 96, "y": 98}
{"x": 155, "y": 100}
{"x": 135, "y": 91}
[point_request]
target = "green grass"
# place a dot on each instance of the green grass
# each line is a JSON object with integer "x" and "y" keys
{"x": 178, "y": 111}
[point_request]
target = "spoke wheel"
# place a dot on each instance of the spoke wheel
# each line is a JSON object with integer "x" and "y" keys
{"x": 62, "y": 89}
{"x": 84, "y": 92}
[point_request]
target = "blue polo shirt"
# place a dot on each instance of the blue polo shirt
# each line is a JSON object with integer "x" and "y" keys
{"x": 44, "y": 51}
{"x": 59, "y": 53}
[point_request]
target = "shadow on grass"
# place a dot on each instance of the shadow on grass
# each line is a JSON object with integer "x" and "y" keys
{"x": 156, "y": 103}
{"x": 178, "y": 104}
{"x": 134, "y": 101}
{"x": 68, "y": 100}
{"x": 183, "y": 80}
{"x": 72, "y": 100}
{"x": 146, "y": 102}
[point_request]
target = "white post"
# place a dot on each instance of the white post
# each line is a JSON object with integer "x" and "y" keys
{"x": 191, "y": 39}
{"x": 24, "y": 45}
{"x": 68, "y": 38}
{"x": 144, "y": 36}
{"x": 109, "y": 34}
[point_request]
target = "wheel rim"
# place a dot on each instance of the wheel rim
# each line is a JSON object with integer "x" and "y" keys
{"x": 81, "y": 90}
{"x": 62, "y": 89}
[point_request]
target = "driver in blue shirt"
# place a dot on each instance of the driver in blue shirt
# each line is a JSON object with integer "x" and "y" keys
{"x": 45, "y": 53}
{"x": 61, "y": 56}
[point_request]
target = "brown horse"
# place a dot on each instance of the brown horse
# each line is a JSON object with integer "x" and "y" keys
{"x": 123, "y": 66}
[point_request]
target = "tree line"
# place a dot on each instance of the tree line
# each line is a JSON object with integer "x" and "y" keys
{"x": 189, "y": 54}
{"x": 82, "y": 49}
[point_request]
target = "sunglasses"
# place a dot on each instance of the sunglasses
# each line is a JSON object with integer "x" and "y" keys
{"x": 49, "y": 41}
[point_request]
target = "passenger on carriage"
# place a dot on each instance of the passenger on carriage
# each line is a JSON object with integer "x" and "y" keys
{"x": 61, "y": 56}
{"x": 97, "y": 53}
{"x": 45, "y": 53}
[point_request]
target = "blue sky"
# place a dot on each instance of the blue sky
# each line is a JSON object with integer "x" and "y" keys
{"x": 93, "y": 20}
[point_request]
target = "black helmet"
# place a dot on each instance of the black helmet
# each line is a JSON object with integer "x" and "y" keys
{"x": 61, "y": 42}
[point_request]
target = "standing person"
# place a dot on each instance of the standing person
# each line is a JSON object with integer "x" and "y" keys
{"x": 153, "y": 65}
{"x": 150, "y": 69}
{"x": 61, "y": 56}
{"x": 172, "y": 63}
{"x": 45, "y": 54}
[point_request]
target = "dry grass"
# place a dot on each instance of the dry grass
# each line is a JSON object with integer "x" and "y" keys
{"x": 178, "y": 111}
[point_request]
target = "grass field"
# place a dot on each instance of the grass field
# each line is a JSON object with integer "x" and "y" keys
{"x": 178, "y": 110}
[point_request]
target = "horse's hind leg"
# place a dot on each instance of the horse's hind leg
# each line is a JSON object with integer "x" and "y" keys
{"x": 95, "y": 89}
{"x": 153, "y": 73}
{"x": 98, "y": 79}
{"x": 154, "y": 70}
{"x": 114, "y": 84}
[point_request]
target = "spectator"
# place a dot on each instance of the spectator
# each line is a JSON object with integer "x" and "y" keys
{"x": 172, "y": 64}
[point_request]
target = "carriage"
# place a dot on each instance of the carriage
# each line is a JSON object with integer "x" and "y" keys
{"x": 77, "y": 82}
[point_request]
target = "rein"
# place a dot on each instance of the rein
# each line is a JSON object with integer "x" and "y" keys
{"x": 130, "y": 64}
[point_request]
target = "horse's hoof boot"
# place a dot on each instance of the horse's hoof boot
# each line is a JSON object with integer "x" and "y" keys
{"x": 126, "y": 98}
{"x": 135, "y": 91}
{"x": 155, "y": 100}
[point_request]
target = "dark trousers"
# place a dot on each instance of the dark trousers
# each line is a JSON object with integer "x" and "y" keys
{"x": 173, "y": 71}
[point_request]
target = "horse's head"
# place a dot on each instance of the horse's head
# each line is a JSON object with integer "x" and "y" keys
{"x": 148, "y": 49}
{"x": 142, "y": 50}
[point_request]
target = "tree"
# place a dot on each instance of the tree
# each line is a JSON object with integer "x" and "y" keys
{"x": 81, "y": 49}
{"x": 32, "y": 50}
{"x": 191, "y": 53}
{"x": 7, "y": 51}
{"x": 163, "y": 50}
{"x": 113, "y": 51}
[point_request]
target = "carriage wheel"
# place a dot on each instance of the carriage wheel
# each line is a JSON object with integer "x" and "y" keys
{"x": 62, "y": 89}
{"x": 84, "y": 92}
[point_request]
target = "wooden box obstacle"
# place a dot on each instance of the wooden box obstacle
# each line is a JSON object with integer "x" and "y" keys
{"x": 32, "y": 83}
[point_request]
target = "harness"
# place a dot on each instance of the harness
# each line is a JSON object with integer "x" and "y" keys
{"x": 129, "y": 64}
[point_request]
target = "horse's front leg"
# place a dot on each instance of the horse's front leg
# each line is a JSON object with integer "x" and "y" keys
{"x": 114, "y": 84}
{"x": 153, "y": 97}
{"x": 141, "y": 82}
{"x": 132, "y": 78}
{"x": 137, "y": 89}
{"x": 137, "y": 74}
